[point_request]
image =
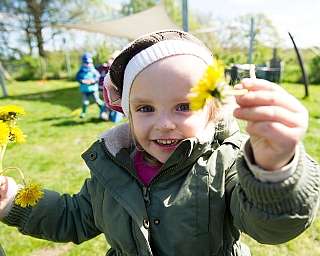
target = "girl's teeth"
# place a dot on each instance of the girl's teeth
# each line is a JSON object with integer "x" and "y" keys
{"x": 167, "y": 142}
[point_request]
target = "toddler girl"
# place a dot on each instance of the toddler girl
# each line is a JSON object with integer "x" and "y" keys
{"x": 180, "y": 182}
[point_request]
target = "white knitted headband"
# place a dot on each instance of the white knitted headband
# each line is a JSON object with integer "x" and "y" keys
{"x": 154, "y": 53}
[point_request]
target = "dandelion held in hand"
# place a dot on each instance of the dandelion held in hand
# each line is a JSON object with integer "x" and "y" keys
{"x": 211, "y": 86}
{"x": 30, "y": 194}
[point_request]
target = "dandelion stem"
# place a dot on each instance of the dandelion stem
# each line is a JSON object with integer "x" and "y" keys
{"x": 2, "y": 151}
{"x": 234, "y": 92}
{"x": 252, "y": 71}
{"x": 20, "y": 172}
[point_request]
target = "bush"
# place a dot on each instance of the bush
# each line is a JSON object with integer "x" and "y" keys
{"x": 315, "y": 70}
{"x": 103, "y": 53}
{"x": 291, "y": 72}
{"x": 28, "y": 68}
{"x": 56, "y": 65}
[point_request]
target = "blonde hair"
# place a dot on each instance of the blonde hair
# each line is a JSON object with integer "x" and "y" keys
{"x": 220, "y": 115}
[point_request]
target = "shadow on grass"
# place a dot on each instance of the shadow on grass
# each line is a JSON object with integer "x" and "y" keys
{"x": 67, "y": 97}
{"x": 92, "y": 120}
{"x": 48, "y": 119}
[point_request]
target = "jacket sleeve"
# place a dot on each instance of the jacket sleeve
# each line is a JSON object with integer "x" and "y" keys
{"x": 274, "y": 213}
{"x": 59, "y": 218}
{"x": 96, "y": 75}
{"x": 79, "y": 75}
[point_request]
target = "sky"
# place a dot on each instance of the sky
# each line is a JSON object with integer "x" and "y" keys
{"x": 299, "y": 17}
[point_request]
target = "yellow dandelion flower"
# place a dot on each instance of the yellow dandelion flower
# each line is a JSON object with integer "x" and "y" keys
{"x": 11, "y": 112}
{"x": 198, "y": 99}
{"x": 16, "y": 135}
{"x": 4, "y": 133}
{"x": 215, "y": 74}
{"x": 29, "y": 195}
{"x": 208, "y": 87}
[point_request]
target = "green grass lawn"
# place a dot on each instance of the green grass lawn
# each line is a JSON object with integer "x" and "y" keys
{"x": 52, "y": 156}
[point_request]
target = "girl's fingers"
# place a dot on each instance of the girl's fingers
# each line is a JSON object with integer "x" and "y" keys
{"x": 253, "y": 84}
{"x": 276, "y": 133}
{"x": 272, "y": 114}
{"x": 3, "y": 187}
{"x": 270, "y": 98}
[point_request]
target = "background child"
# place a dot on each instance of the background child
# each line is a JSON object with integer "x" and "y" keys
{"x": 88, "y": 77}
{"x": 103, "y": 69}
{"x": 182, "y": 182}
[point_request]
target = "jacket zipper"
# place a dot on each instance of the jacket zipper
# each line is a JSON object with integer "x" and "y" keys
{"x": 146, "y": 195}
{"x": 146, "y": 190}
{"x": 179, "y": 164}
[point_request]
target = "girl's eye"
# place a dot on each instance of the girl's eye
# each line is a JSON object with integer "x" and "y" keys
{"x": 185, "y": 107}
{"x": 146, "y": 108}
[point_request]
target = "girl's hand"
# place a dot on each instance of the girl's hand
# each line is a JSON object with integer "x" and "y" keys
{"x": 8, "y": 191}
{"x": 88, "y": 81}
{"x": 277, "y": 121}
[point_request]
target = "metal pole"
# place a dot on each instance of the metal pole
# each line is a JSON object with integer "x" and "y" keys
{"x": 67, "y": 57}
{"x": 3, "y": 87}
{"x": 185, "y": 22}
{"x": 303, "y": 70}
{"x": 252, "y": 35}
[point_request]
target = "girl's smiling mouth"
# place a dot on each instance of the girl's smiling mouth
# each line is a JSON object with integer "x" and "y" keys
{"x": 167, "y": 144}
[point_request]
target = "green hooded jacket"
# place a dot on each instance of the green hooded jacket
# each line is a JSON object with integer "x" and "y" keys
{"x": 199, "y": 203}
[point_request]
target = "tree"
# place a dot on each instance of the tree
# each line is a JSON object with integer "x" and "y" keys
{"x": 234, "y": 38}
{"x": 135, "y": 6}
{"x": 235, "y": 34}
{"x": 202, "y": 27}
{"x": 31, "y": 18}
{"x": 27, "y": 20}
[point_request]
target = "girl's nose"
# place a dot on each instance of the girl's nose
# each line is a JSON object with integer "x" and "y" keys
{"x": 165, "y": 122}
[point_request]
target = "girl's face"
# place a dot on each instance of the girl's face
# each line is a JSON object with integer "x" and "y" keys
{"x": 159, "y": 107}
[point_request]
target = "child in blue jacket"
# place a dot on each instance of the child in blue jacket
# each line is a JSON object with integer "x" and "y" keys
{"x": 88, "y": 77}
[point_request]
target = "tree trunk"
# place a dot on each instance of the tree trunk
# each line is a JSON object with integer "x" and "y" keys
{"x": 29, "y": 35}
{"x": 36, "y": 9}
{"x": 39, "y": 36}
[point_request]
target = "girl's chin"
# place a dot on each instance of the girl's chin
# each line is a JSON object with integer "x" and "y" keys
{"x": 161, "y": 153}
{"x": 163, "y": 157}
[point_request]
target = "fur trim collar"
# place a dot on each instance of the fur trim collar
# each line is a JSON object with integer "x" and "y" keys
{"x": 117, "y": 138}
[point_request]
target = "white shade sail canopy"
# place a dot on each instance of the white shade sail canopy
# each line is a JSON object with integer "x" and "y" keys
{"x": 131, "y": 26}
